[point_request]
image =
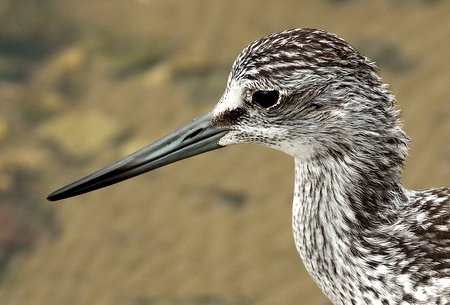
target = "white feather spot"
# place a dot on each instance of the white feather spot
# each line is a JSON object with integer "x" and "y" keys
{"x": 232, "y": 98}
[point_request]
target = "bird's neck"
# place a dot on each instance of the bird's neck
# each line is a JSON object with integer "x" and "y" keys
{"x": 337, "y": 202}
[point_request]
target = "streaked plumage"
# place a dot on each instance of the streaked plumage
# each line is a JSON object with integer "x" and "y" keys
{"x": 363, "y": 237}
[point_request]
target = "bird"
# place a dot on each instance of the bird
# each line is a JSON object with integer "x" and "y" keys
{"x": 363, "y": 237}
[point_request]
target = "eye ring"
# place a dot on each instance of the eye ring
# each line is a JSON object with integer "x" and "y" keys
{"x": 265, "y": 98}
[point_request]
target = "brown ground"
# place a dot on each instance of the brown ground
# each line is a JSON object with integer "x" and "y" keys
{"x": 85, "y": 82}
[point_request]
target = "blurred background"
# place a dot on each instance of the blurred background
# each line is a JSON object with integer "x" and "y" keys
{"x": 83, "y": 83}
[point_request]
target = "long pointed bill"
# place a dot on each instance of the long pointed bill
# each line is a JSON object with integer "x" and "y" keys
{"x": 194, "y": 138}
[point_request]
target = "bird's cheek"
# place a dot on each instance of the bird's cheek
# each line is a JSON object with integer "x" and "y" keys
{"x": 233, "y": 137}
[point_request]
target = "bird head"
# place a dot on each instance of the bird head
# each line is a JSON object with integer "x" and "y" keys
{"x": 305, "y": 92}
{"x": 308, "y": 93}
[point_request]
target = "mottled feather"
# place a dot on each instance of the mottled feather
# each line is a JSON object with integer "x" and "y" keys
{"x": 363, "y": 237}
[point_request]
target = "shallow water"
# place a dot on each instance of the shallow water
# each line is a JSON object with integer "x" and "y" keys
{"x": 83, "y": 83}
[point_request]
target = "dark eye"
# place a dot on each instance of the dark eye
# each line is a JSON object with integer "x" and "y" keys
{"x": 265, "y": 98}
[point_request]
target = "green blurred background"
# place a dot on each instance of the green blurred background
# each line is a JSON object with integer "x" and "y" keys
{"x": 82, "y": 83}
